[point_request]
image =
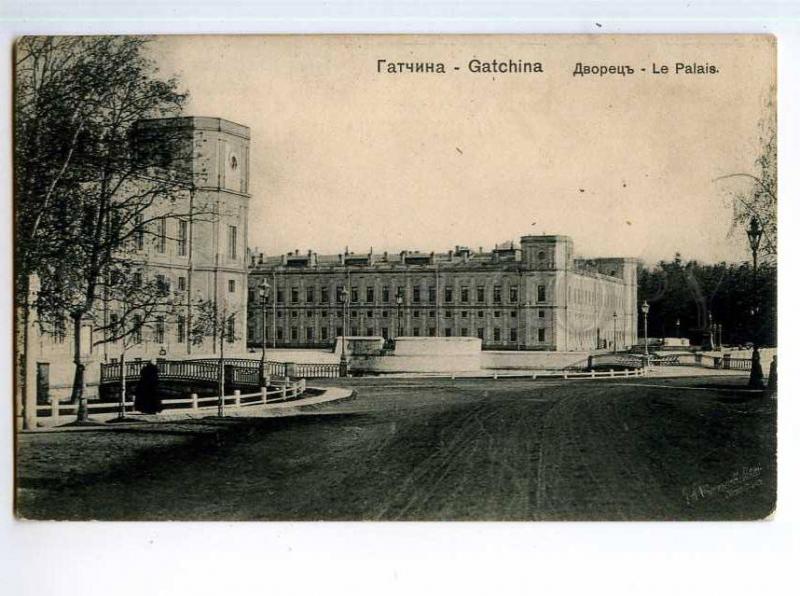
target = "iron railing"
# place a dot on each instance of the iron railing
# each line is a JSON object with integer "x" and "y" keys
{"x": 238, "y": 370}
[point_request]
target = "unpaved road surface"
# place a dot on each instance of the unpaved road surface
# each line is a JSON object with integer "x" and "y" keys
{"x": 415, "y": 449}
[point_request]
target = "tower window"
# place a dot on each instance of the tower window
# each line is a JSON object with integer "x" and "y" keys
{"x": 162, "y": 235}
{"x": 232, "y": 242}
{"x": 230, "y": 332}
{"x": 183, "y": 235}
{"x": 138, "y": 224}
{"x": 159, "y": 331}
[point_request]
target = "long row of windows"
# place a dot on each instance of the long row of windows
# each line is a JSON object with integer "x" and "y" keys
{"x": 355, "y": 296}
{"x": 294, "y": 333}
{"x": 369, "y": 314}
{"x": 164, "y": 283}
{"x": 159, "y": 328}
{"x": 594, "y": 297}
{"x": 181, "y": 238}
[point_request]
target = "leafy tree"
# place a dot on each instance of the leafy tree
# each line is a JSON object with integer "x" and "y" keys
{"x": 699, "y": 295}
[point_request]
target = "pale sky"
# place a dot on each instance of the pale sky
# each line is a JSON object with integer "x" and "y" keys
{"x": 342, "y": 155}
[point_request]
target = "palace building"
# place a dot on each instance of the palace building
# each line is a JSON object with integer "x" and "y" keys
{"x": 531, "y": 296}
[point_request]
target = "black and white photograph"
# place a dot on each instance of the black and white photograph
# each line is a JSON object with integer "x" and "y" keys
{"x": 395, "y": 277}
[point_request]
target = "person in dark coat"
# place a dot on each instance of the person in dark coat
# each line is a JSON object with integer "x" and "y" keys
{"x": 757, "y": 373}
{"x": 148, "y": 400}
{"x": 772, "y": 383}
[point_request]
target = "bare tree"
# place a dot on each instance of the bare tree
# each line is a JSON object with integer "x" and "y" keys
{"x": 94, "y": 189}
{"x": 218, "y": 322}
{"x": 756, "y": 192}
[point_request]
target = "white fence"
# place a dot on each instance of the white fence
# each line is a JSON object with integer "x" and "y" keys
{"x": 283, "y": 391}
{"x": 590, "y": 374}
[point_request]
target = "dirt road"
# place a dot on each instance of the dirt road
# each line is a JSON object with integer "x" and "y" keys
{"x": 431, "y": 450}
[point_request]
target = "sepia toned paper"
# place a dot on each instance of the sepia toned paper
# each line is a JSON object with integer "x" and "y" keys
{"x": 551, "y": 261}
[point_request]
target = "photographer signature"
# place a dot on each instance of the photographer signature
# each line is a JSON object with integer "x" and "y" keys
{"x": 745, "y": 478}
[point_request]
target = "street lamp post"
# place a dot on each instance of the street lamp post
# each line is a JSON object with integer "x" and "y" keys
{"x": 712, "y": 327}
{"x": 274, "y": 312}
{"x": 614, "y": 316}
{"x": 678, "y": 328}
{"x": 754, "y": 233}
{"x": 263, "y": 294}
{"x": 645, "y": 310}
{"x": 346, "y": 323}
{"x": 399, "y": 308}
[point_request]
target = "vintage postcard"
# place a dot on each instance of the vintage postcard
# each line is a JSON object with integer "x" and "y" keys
{"x": 388, "y": 277}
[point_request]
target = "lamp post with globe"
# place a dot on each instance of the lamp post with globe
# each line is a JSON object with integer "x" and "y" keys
{"x": 263, "y": 295}
{"x": 399, "y": 315}
{"x": 346, "y": 321}
{"x": 614, "y": 316}
{"x": 754, "y": 234}
{"x": 645, "y": 311}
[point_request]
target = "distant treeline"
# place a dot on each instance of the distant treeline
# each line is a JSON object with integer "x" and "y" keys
{"x": 699, "y": 295}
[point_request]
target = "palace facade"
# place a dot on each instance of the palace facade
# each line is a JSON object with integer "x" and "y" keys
{"x": 530, "y": 296}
